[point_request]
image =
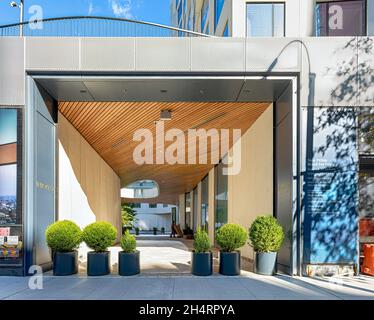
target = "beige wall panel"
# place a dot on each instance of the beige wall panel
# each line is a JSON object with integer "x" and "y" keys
{"x": 89, "y": 190}
{"x": 251, "y": 191}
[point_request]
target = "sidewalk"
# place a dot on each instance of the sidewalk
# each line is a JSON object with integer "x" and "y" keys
{"x": 166, "y": 275}
{"x": 248, "y": 287}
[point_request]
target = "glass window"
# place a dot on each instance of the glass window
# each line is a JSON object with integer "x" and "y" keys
{"x": 136, "y": 205}
{"x": 370, "y": 17}
{"x": 153, "y": 205}
{"x": 180, "y": 10}
{"x": 221, "y": 184}
{"x": 366, "y": 175}
{"x": 226, "y": 31}
{"x": 204, "y": 14}
{"x": 265, "y": 20}
{"x": 204, "y": 202}
{"x": 10, "y": 186}
{"x": 218, "y": 10}
{"x": 343, "y": 18}
{"x": 187, "y": 216}
{"x": 194, "y": 222}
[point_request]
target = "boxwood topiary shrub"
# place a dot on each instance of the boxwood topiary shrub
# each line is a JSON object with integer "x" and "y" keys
{"x": 231, "y": 237}
{"x": 63, "y": 236}
{"x": 265, "y": 234}
{"x": 201, "y": 243}
{"x": 128, "y": 242}
{"x": 99, "y": 236}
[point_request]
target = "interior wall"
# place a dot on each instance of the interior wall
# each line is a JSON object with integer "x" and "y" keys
{"x": 88, "y": 188}
{"x": 250, "y": 193}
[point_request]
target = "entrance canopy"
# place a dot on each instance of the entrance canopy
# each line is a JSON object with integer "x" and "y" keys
{"x": 107, "y": 111}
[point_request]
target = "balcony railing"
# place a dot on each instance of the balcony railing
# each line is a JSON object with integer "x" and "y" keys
{"x": 88, "y": 26}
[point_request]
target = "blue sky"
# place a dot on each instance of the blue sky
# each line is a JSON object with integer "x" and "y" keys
{"x": 146, "y": 10}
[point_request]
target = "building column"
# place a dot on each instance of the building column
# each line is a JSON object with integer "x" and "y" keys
{"x": 198, "y": 216}
{"x": 181, "y": 210}
{"x": 190, "y": 223}
{"x": 211, "y": 205}
{"x": 307, "y": 10}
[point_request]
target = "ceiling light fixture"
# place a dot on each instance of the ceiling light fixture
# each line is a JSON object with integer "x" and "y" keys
{"x": 165, "y": 115}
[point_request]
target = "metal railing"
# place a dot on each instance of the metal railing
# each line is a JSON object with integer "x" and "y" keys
{"x": 92, "y": 26}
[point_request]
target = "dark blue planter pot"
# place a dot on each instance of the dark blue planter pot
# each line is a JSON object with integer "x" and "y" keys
{"x": 98, "y": 263}
{"x": 128, "y": 263}
{"x": 266, "y": 263}
{"x": 202, "y": 263}
{"x": 65, "y": 263}
{"x": 229, "y": 263}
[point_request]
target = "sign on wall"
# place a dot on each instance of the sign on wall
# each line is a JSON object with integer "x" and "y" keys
{"x": 330, "y": 176}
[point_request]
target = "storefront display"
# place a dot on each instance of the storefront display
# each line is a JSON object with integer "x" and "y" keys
{"x": 11, "y": 228}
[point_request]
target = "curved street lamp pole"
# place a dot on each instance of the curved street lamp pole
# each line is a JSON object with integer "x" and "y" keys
{"x": 21, "y": 14}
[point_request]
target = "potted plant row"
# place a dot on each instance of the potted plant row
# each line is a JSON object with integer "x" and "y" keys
{"x": 64, "y": 237}
{"x": 202, "y": 256}
{"x": 99, "y": 236}
{"x": 129, "y": 257}
{"x": 266, "y": 236}
{"x": 230, "y": 238}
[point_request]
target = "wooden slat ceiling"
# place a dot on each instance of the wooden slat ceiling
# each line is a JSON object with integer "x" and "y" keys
{"x": 109, "y": 128}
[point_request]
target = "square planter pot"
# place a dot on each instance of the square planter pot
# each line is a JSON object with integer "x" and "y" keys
{"x": 98, "y": 263}
{"x": 202, "y": 263}
{"x": 266, "y": 263}
{"x": 229, "y": 263}
{"x": 128, "y": 263}
{"x": 65, "y": 263}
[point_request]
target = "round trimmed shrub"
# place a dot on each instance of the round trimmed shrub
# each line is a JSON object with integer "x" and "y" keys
{"x": 99, "y": 236}
{"x": 128, "y": 242}
{"x": 231, "y": 237}
{"x": 63, "y": 236}
{"x": 201, "y": 243}
{"x": 266, "y": 234}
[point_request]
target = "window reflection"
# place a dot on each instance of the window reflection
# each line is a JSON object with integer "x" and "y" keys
{"x": 10, "y": 211}
{"x": 204, "y": 202}
{"x": 265, "y": 20}
{"x": 342, "y": 18}
{"x": 221, "y": 184}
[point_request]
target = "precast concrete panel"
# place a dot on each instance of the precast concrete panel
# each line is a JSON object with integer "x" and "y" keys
{"x": 365, "y": 71}
{"x": 273, "y": 55}
{"x": 12, "y": 74}
{"x": 218, "y": 54}
{"x": 329, "y": 67}
{"x": 162, "y": 54}
{"x": 57, "y": 54}
{"x": 107, "y": 54}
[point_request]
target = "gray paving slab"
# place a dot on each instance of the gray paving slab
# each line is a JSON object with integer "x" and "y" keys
{"x": 212, "y": 288}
